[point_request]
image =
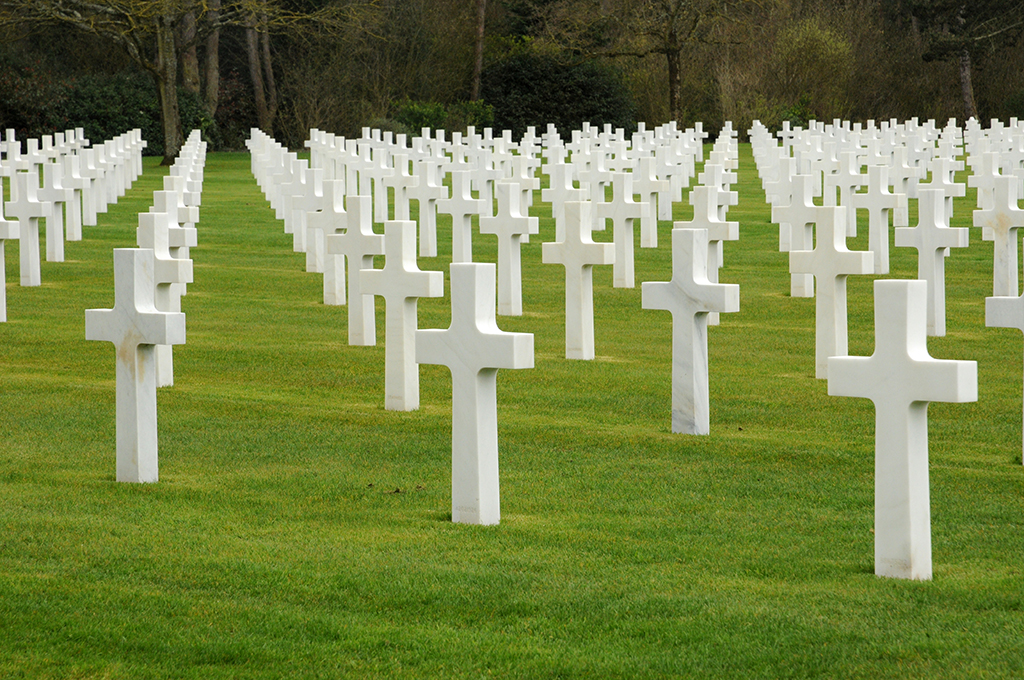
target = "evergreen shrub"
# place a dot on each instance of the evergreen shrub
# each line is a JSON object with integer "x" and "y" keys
{"x": 530, "y": 88}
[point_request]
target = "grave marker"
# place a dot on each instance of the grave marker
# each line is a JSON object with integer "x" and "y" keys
{"x": 901, "y": 379}
{"x": 509, "y": 224}
{"x": 1000, "y": 222}
{"x": 1005, "y": 312}
{"x": 689, "y": 296}
{"x": 135, "y": 326}
{"x": 9, "y": 231}
{"x": 401, "y": 284}
{"x": 462, "y": 206}
{"x": 830, "y": 262}
{"x": 623, "y": 211}
{"x": 358, "y": 244}
{"x": 578, "y": 253}
{"x": 27, "y": 209}
{"x": 474, "y": 348}
{"x": 932, "y": 238}
{"x": 880, "y": 203}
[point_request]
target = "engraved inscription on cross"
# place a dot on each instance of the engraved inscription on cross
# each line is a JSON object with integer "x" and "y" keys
{"x": 901, "y": 379}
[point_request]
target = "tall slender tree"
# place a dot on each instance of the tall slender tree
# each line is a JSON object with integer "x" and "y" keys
{"x": 956, "y": 29}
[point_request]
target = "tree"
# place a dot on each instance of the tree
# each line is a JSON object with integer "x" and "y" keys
{"x": 638, "y": 28}
{"x": 954, "y": 29}
{"x": 151, "y": 33}
{"x": 478, "y": 48}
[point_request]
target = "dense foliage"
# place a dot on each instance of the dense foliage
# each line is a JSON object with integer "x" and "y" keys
{"x": 535, "y": 89}
{"x": 407, "y": 64}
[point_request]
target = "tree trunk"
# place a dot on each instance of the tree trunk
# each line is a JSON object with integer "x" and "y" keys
{"x": 211, "y": 98}
{"x": 478, "y": 49}
{"x": 966, "y": 86}
{"x": 166, "y": 76}
{"x": 256, "y": 74}
{"x": 189, "y": 58}
{"x": 674, "y": 86}
{"x": 268, "y": 73}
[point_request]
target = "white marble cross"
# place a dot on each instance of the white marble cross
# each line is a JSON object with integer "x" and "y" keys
{"x": 474, "y": 348}
{"x": 830, "y": 262}
{"x": 648, "y": 186}
{"x": 462, "y": 206}
{"x": 168, "y": 272}
{"x": 901, "y": 379}
{"x": 427, "y": 193}
{"x": 932, "y": 237}
{"x": 578, "y": 253}
{"x": 52, "y": 191}
{"x": 509, "y": 224}
{"x": 9, "y": 231}
{"x": 27, "y": 209}
{"x": 707, "y": 216}
{"x": 689, "y": 296}
{"x": 1005, "y": 312}
{"x": 327, "y": 219}
{"x": 796, "y": 228}
{"x": 401, "y": 284}
{"x": 944, "y": 178}
{"x": 135, "y": 326}
{"x": 560, "y": 191}
{"x": 358, "y": 244}
{"x": 79, "y": 185}
{"x": 1000, "y": 221}
{"x": 623, "y": 211}
{"x": 94, "y": 198}
{"x": 401, "y": 180}
{"x": 847, "y": 180}
{"x": 378, "y": 173}
{"x": 880, "y": 203}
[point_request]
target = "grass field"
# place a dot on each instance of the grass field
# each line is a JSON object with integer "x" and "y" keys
{"x": 300, "y": 530}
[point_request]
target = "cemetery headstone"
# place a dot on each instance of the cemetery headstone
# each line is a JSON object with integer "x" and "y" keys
{"x": 135, "y": 326}
{"x": 474, "y": 348}
{"x": 901, "y": 379}
{"x": 401, "y": 284}
{"x": 578, "y": 253}
{"x": 358, "y": 244}
{"x": 830, "y": 262}
{"x": 932, "y": 237}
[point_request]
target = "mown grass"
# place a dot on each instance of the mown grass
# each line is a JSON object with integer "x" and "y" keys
{"x": 299, "y": 529}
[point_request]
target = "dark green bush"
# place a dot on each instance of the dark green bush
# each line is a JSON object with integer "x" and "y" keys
{"x": 106, "y": 106}
{"x": 528, "y": 88}
{"x": 414, "y": 116}
{"x": 34, "y": 98}
{"x": 35, "y": 101}
{"x": 419, "y": 115}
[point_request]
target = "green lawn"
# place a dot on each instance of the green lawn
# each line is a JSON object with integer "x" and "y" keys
{"x": 299, "y": 529}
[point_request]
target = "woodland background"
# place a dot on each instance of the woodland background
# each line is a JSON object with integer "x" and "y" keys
{"x": 290, "y": 65}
